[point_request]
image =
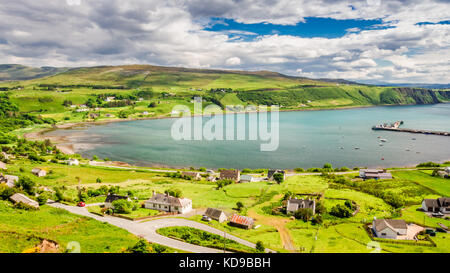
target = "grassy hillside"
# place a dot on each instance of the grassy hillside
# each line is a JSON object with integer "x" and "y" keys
{"x": 169, "y": 86}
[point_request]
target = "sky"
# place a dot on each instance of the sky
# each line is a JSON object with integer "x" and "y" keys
{"x": 370, "y": 41}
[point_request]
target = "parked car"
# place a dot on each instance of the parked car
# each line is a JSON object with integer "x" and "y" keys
{"x": 206, "y": 218}
{"x": 81, "y": 204}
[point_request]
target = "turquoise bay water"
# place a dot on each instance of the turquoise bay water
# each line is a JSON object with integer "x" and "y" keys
{"x": 307, "y": 139}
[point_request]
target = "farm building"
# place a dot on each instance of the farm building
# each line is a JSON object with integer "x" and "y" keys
{"x": 20, "y": 198}
{"x": 9, "y": 180}
{"x": 389, "y": 228}
{"x": 374, "y": 174}
{"x": 216, "y": 214}
{"x": 113, "y": 197}
{"x": 39, "y": 172}
{"x": 192, "y": 175}
{"x": 241, "y": 221}
{"x": 230, "y": 175}
{"x": 165, "y": 202}
{"x": 436, "y": 205}
{"x": 246, "y": 178}
{"x": 73, "y": 162}
{"x": 295, "y": 204}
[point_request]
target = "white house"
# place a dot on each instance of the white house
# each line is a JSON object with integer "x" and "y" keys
{"x": 389, "y": 228}
{"x": 216, "y": 214}
{"x": 39, "y": 172}
{"x": 246, "y": 178}
{"x": 294, "y": 204}
{"x": 436, "y": 205}
{"x": 9, "y": 180}
{"x": 73, "y": 162}
{"x": 2, "y": 166}
{"x": 165, "y": 202}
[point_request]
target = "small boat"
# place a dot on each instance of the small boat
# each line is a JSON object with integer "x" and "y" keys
{"x": 407, "y": 150}
{"x": 356, "y": 148}
{"x": 383, "y": 140}
{"x": 378, "y": 137}
{"x": 341, "y": 148}
{"x": 413, "y": 138}
{"x": 382, "y": 158}
{"x": 381, "y": 144}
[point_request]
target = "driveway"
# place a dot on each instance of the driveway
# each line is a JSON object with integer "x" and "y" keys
{"x": 147, "y": 229}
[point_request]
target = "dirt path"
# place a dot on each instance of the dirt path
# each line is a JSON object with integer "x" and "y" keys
{"x": 278, "y": 223}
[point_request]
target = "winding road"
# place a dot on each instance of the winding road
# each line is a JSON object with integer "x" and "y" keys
{"x": 147, "y": 229}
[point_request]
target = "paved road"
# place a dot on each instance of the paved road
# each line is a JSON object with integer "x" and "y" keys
{"x": 147, "y": 229}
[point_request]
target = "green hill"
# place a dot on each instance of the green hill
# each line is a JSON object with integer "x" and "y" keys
{"x": 50, "y": 96}
{"x": 16, "y": 72}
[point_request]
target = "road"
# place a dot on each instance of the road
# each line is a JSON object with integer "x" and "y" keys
{"x": 147, "y": 229}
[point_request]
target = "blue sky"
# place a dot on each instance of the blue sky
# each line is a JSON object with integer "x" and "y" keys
{"x": 311, "y": 27}
{"x": 370, "y": 41}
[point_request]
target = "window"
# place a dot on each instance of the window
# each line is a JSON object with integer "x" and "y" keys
{"x": 383, "y": 234}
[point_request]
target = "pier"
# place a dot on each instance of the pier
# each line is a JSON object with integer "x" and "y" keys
{"x": 396, "y": 127}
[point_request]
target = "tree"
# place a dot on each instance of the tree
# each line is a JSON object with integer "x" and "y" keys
{"x": 224, "y": 182}
{"x": 42, "y": 199}
{"x": 26, "y": 184}
{"x": 142, "y": 246}
{"x": 122, "y": 206}
{"x": 328, "y": 167}
{"x": 152, "y": 104}
{"x": 320, "y": 208}
{"x": 98, "y": 180}
{"x": 304, "y": 214}
{"x": 173, "y": 192}
{"x": 317, "y": 219}
{"x": 278, "y": 177}
{"x": 239, "y": 205}
{"x": 260, "y": 246}
{"x": 341, "y": 211}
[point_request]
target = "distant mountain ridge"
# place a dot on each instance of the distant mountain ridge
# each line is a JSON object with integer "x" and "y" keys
{"x": 17, "y": 72}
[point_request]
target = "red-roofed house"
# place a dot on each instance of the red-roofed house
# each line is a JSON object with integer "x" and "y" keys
{"x": 241, "y": 221}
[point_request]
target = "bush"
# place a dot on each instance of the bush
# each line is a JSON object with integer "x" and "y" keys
{"x": 260, "y": 246}
{"x": 42, "y": 199}
{"x": 224, "y": 182}
{"x": 142, "y": 246}
{"x": 317, "y": 219}
{"x": 303, "y": 214}
{"x": 239, "y": 205}
{"x": 278, "y": 177}
{"x": 152, "y": 104}
{"x": 6, "y": 192}
{"x": 341, "y": 211}
{"x": 173, "y": 192}
{"x": 299, "y": 170}
{"x": 122, "y": 206}
{"x": 26, "y": 184}
{"x": 429, "y": 164}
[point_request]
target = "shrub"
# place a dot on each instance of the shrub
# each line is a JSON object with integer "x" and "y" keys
{"x": 224, "y": 182}
{"x": 304, "y": 214}
{"x": 278, "y": 177}
{"x": 173, "y": 192}
{"x": 6, "y": 192}
{"x": 317, "y": 219}
{"x": 260, "y": 246}
{"x": 239, "y": 205}
{"x": 428, "y": 164}
{"x": 299, "y": 170}
{"x": 341, "y": 211}
{"x": 152, "y": 104}
{"x": 26, "y": 184}
{"x": 142, "y": 246}
{"x": 122, "y": 206}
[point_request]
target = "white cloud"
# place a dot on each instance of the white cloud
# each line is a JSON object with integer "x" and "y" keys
{"x": 165, "y": 33}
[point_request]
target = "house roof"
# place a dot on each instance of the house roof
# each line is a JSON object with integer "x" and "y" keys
{"x": 19, "y": 197}
{"x": 113, "y": 197}
{"x": 36, "y": 170}
{"x": 295, "y": 204}
{"x": 234, "y": 174}
{"x": 213, "y": 213}
{"x": 10, "y": 180}
{"x": 381, "y": 224}
{"x": 371, "y": 170}
{"x": 161, "y": 198}
{"x": 379, "y": 175}
{"x": 444, "y": 201}
{"x": 241, "y": 220}
{"x": 191, "y": 174}
{"x": 246, "y": 177}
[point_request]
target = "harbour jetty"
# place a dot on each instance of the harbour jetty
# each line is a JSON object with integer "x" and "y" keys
{"x": 396, "y": 127}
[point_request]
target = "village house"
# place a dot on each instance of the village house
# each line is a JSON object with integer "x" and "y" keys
{"x": 113, "y": 197}
{"x": 374, "y": 174}
{"x": 216, "y": 214}
{"x": 165, "y": 202}
{"x": 270, "y": 174}
{"x": 94, "y": 115}
{"x": 246, "y": 178}
{"x": 2, "y": 166}
{"x": 7, "y": 156}
{"x": 447, "y": 170}
{"x": 294, "y": 204}
{"x": 82, "y": 110}
{"x": 39, "y": 172}
{"x": 230, "y": 175}
{"x": 192, "y": 175}
{"x": 241, "y": 221}
{"x": 21, "y": 198}
{"x": 108, "y": 99}
{"x": 9, "y": 180}
{"x": 436, "y": 205}
{"x": 389, "y": 228}
{"x": 73, "y": 162}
